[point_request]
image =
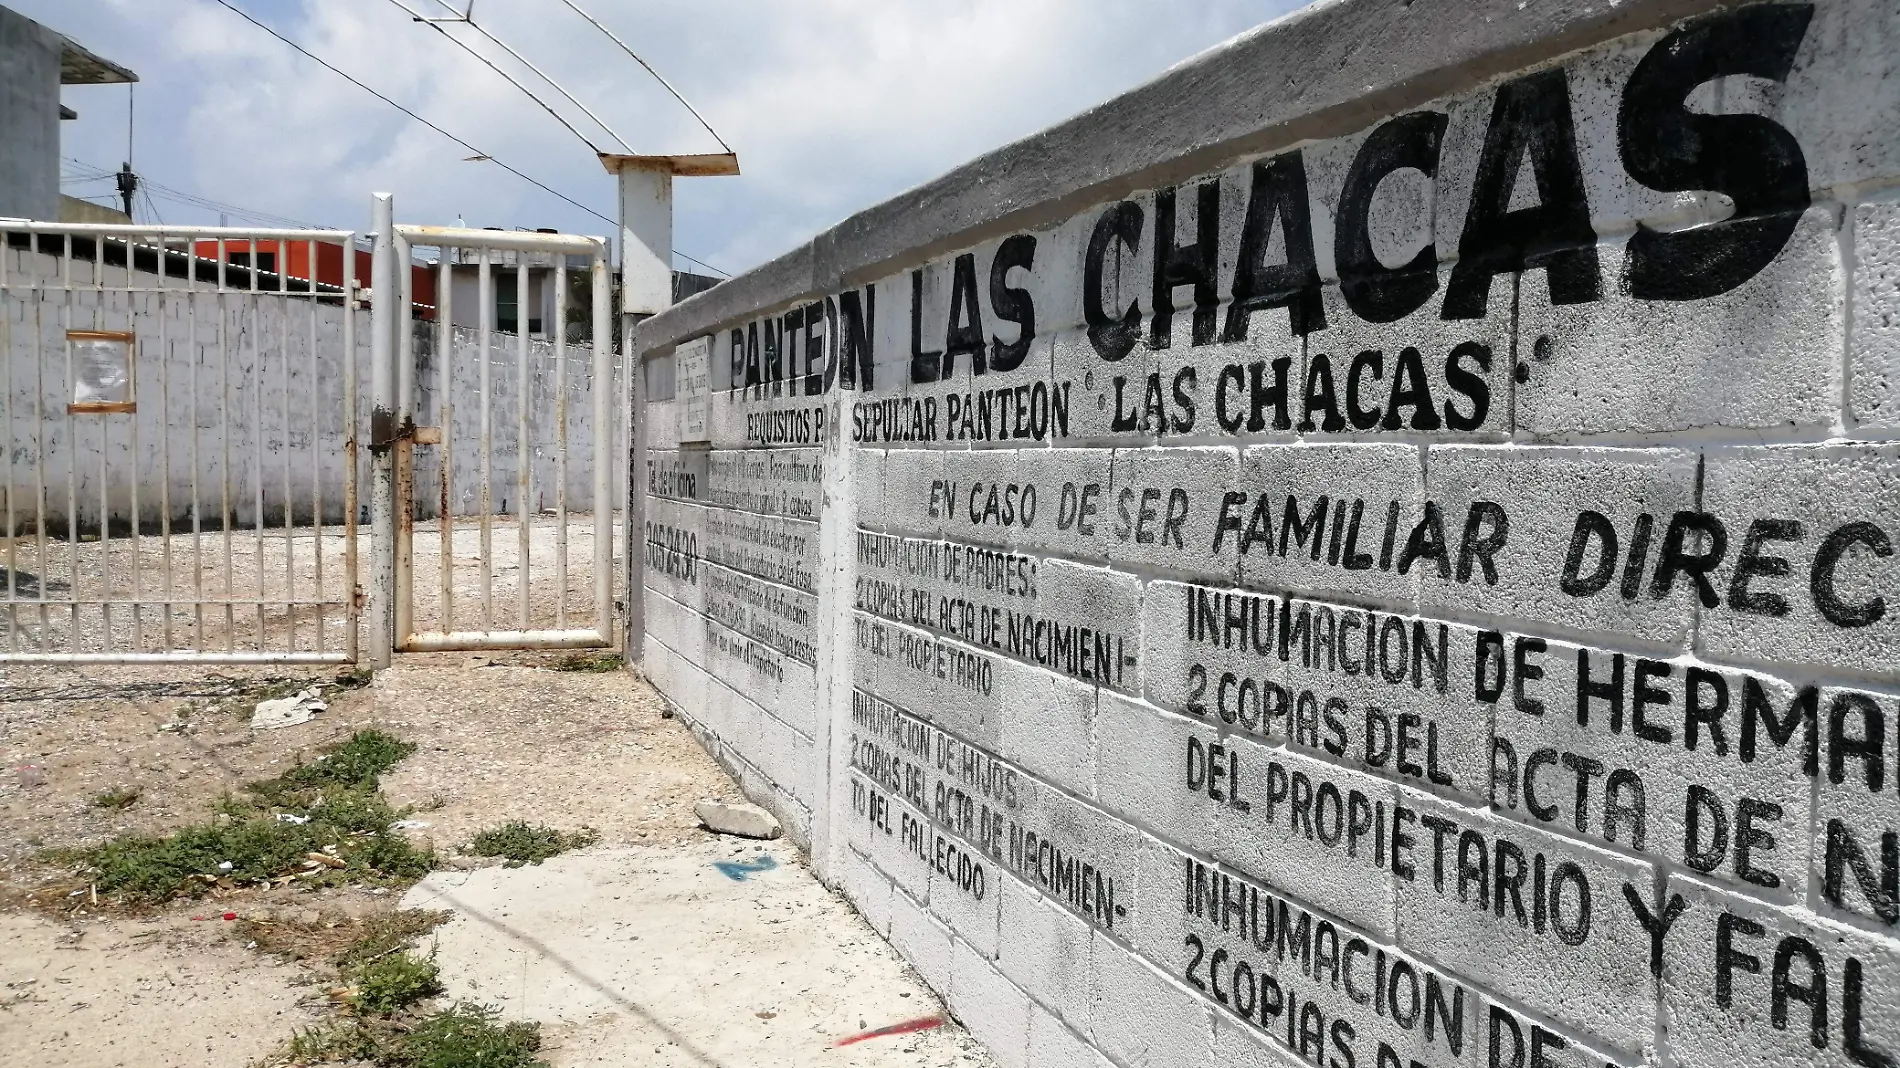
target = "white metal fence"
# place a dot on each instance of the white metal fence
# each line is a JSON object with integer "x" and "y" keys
{"x": 179, "y": 410}
{"x": 458, "y": 579}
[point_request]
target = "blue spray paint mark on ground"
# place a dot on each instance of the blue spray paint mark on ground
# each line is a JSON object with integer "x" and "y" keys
{"x": 737, "y": 870}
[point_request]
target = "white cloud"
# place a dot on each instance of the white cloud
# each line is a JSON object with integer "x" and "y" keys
{"x": 832, "y": 105}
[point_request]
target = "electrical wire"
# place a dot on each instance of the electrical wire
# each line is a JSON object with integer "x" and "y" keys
{"x": 595, "y": 23}
{"x": 484, "y": 60}
{"x": 468, "y": 19}
{"x": 489, "y": 157}
{"x": 476, "y": 151}
{"x": 179, "y": 196}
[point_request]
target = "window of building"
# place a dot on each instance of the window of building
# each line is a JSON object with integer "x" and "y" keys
{"x": 507, "y": 307}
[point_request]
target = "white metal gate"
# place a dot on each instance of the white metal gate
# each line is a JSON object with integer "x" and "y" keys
{"x": 178, "y": 408}
{"x": 501, "y": 440}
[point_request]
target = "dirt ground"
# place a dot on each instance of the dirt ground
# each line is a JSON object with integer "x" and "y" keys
{"x": 498, "y": 738}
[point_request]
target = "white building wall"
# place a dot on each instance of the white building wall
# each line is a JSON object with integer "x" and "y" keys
{"x": 1502, "y": 673}
{"x": 240, "y": 399}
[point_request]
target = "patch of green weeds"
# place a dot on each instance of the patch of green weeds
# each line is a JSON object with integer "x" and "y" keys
{"x": 387, "y": 984}
{"x": 463, "y": 1036}
{"x": 337, "y": 1041}
{"x": 329, "y": 807}
{"x": 592, "y": 663}
{"x": 359, "y": 762}
{"x": 117, "y": 799}
{"x": 521, "y": 843}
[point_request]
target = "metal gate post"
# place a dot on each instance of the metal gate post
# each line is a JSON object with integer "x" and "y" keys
{"x": 385, "y": 319}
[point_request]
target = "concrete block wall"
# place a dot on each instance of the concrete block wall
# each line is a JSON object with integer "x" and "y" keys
{"x": 1374, "y": 549}
{"x": 240, "y": 388}
{"x": 245, "y": 383}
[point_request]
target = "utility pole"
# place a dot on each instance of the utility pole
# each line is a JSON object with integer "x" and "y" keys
{"x": 646, "y": 288}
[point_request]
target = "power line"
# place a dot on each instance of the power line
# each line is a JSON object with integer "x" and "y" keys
{"x": 595, "y": 23}
{"x": 489, "y": 157}
{"x": 346, "y": 77}
{"x": 179, "y": 196}
{"x": 468, "y": 18}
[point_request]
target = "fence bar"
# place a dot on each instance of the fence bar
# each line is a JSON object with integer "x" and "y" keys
{"x": 316, "y": 452}
{"x": 224, "y": 442}
{"x": 6, "y": 400}
{"x": 137, "y": 463}
{"x": 40, "y": 561}
{"x": 524, "y": 447}
{"x": 487, "y": 432}
{"x": 165, "y": 442}
{"x": 560, "y": 443}
{"x": 72, "y": 467}
{"x": 352, "y": 424}
{"x": 505, "y": 639}
{"x": 402, "y": 281}
{"x": 603, "y": 450}
{"x": 257, "y": 443}
{"x": 382, "y": 430}
{"x": 445, "y": 417}
{"x": 290, "y": 538}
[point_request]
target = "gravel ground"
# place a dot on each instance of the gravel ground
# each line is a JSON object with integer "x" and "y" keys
{"x": 499, "y": 738}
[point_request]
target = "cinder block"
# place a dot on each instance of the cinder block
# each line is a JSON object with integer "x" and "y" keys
{"x": 1144, "y": 1019}
{"x": 1049, "y": 729}
{"x": 1051, "y": 1045}
{"x": 963, "y": 890}
{"x": 1045, "y": 951}
{"x": 1311, "y": 519}
{"x": 994, "y": 1010}
{"x": 1420, "y": 375}
{"x": 1762, "y": 355}
{"x": 896, "y": 841}
{"x": 781, "y": 482}
{"x": 922, "y": 941}
{"x": 1305, "y": 827}
{"x": 1383, "y": 691}
{"x": 1748, "y": 985}
{"x": 1874, "y": 332}
{"x": 1856, "y": 815}
{"x": 956, "y": 685}
{"x": 1245, "y": 1044}
{"x": 1161, "y": 509}
{"x": 1585, "y": 964}
{"x": 868, "y": 890}
{"x": 1159, "y": 929}
{"x": 1823, "y": 523}
{"x": 909, "y": 478}
{"x": 1656, "y": 748}
{"x": 1543, "y": 517}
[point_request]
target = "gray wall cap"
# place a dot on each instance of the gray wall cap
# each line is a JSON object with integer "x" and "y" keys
{"x": 1323, "y": 71}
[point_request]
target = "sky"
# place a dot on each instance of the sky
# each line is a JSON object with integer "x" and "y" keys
{"x": 832, "y": 105}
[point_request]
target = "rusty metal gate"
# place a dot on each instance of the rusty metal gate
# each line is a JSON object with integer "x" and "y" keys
{"x": 178, "y": 409}
{"x": 501, "y": 442}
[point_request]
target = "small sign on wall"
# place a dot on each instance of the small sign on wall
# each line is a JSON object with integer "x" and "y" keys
{"x": 103, "y": 363}
{"x": 692, "y": 383}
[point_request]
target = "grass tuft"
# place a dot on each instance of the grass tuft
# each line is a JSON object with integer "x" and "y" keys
{"x": 520, "y": 842}
{"x": 592, "y": 663}
{"x": 392, "y": 982}
{"x": 117, "y": 799}
{"x": 466, "y": 1035}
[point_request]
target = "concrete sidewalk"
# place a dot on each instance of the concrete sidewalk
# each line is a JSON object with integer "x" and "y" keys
{"x": 714, "y": 952}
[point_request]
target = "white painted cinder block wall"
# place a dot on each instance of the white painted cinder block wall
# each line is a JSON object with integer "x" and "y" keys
{"x": 253, "y": 384}
{"x": 1467, "y": 633}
